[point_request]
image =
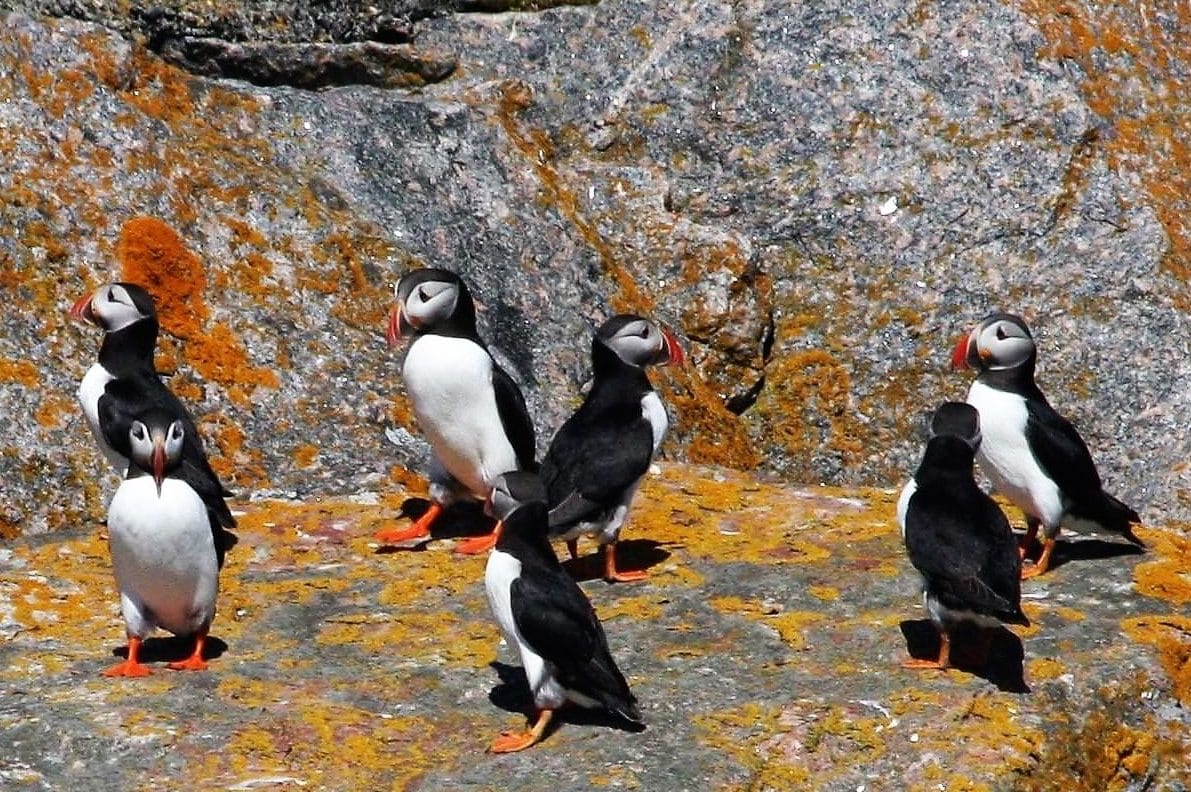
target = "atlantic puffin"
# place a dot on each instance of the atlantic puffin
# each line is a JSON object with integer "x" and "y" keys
{"x": 470, "y": 410}
{"x": 546, "y": 617}
{"x": 957, "y": 537}
{"x": 165, "y": 552}
{"x": 599, "y": 456}
{"x": 1030, "y": 453}
{"x": 124, "y": 382}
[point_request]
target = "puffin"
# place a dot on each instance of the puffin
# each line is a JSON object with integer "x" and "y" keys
{"x": 124, "y": 382}
{"x": 546, "y": 617}
{"x": 957, "y": 537}
{"x": 1031, "y": 453}
{"x": 466, "y": 405}
{"x": 599, "y": 456}
{"x": 165, "y": 553}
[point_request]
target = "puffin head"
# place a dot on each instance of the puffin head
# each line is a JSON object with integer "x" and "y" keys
{"x": 640, "y": 342}
{"x": 513, "y": 490}
{"x": 428, "y": 299}
{"x": 155, "y": 437}
{"x": 956, "y": 419}
{"x": 1002, "y": 341}
{"x": 114, "y": 306}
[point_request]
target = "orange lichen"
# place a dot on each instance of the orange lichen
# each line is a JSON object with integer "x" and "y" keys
{"x": 1170, "y": 635}
{"x": 54, "y": 410}
{"x": 305, "y": 455}
{"x": 22, "y": 372}
{"x": 1167, "y": 576}
{"x": 154, "y": 256}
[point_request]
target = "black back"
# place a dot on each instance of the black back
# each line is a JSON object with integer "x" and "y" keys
{"x": 604, "y": 448}
{"x": 958, "y": 538}
{"x": 555, "y": 617}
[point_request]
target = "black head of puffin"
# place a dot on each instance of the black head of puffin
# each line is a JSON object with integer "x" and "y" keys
{"x": 640, "y": 341}
{"x": 513, "y": 490}
{"x": 1000, "y": 341}
{"x": 956, "y": 419}
{"x": 114, "y": 306}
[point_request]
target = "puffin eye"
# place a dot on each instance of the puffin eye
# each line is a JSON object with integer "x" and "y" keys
{"x": 138, "y": 431}
{"x": 422, "y": 295}
{"x": 1000, "y": 333}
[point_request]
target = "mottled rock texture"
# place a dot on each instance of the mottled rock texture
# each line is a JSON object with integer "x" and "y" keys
{"x": 764, "y": 648}
{"x": 818, "y": 197}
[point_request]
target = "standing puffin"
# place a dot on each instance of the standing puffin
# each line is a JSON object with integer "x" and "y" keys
{"x": 124, "y": 382}
{"x": 544, "y": 614}
{"x": 164, "y": 550}
{"x": 1033, "y": 455}
{"x": 957, "y": 537}
{"x": 599, "y": 456}
{"x": 469, "y": 408}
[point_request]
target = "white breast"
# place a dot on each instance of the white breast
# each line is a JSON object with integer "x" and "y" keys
{"x": 655, "y": 413}
{"x": 163, "y": 552}
{"x": 449, "y": 381}
{"x": 90, "y": 389}
{"x": 903, "y": 504}
{"x": 1005, "y": 457}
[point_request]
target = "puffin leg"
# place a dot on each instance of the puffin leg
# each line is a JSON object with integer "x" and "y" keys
{"x": 195, "y": 662}
{"x": 1043, "y": 562}
{"x": 508, "y": 742}
{"x": 132, "y": 666}
{"x": 419, "y": 530}
{"x": 942, "y": 662}
{"x": 612, "y": 574}
{"x": 480, "y": 544}
{"x": 1031, "y": 536}
{"x": 573, "y": 548}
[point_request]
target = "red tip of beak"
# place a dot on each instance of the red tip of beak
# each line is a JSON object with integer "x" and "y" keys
{"x": 393, "y": 331}
{"x": 674, "y": 355}
{"x": 959, "y": 355}
{"x": 81, "y": 310}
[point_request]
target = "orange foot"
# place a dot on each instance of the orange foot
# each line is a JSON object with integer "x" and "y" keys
{"x": 131, "y": 667}
{"x": 419, "y": 530}
{"x": 479, "y": 544}
{"x": 941, "y": 663}
{"x": 1042, "y": 564}
{"x": 614, "y": 575}
{"x": 195, "y": 662}
{"x": 510, "y": 742}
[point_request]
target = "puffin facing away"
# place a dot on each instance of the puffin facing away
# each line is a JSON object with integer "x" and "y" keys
{"x": 1033, "y": 455}
{"x": 599, "y": 456}
{"x": 957, "y": 537}
{"x": 124, "y": 382}
{"x": 544, "y": 614}
{"x": 162, "y": 543}
{"x": 470, "y": 410}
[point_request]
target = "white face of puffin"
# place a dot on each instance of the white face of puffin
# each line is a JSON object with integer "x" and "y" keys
{"x": 156, "y": 447}
{"x": 640, "y": 342}
{"x": 112, "y": 308}
{"x": 511, "y": 490}
{"x": 430, "y": 302}
{"x": 1002, "y": 341}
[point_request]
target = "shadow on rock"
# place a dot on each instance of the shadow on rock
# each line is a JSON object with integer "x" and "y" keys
{"x": 158, "y": 650}
{"x": 512, "y": 695}
{"x": 631, "y": 555}
{"x": 1000, "y": 661}
{"x": 1091, "y": 550}
{"x": 460, "y": 519}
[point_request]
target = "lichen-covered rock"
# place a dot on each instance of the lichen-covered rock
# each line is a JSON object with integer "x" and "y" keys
{"x": 818, "y": 197}
{"x": 764, "y": 648}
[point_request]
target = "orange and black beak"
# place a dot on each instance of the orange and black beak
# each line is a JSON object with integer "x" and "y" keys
{"x": 81, "y": 310}
{"x": 964, "y": 355}
{"x": 158, "y": 460}
{"x": 671, "y": 354}
{"x": 398, "y": 325}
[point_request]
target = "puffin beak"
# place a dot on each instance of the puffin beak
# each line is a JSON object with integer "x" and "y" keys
{"x": 673, "y": 355}
{"x": 397, "y": 323}
{"x": 961, "y": 356}
{"x": 158, "y": 460}
{"x": 81, "y": 310}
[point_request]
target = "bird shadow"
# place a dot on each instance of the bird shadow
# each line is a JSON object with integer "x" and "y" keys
{"x": 1002, "y": 665}
{"x": 1091, "y": 550}
{"x": 174, "y": 648}
{"x": 632, "y": 554}
{"x": 459, "y": 519}
{"x": 512, "y": 694}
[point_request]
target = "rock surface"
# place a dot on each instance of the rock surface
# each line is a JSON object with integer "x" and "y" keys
{"x": 818, "y": 198}
{"x": 764, "y": 648}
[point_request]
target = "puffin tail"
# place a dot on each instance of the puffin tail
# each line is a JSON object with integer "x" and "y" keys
{"x": 1113, "y": 515}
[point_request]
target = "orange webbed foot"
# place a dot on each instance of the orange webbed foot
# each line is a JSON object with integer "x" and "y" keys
{"x": 924, "y": 664}
{"x": 418, "y": 531}
{"x": 128, "y": 668}
{"x": 479, "y": 544}
{"x": 510, "y": 742}
{"x": 614, "y": 575}
{"x": 195, "y": 662}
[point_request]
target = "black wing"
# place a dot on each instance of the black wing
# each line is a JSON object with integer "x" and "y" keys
{"x": 122, "y": 399}
{"x": 962, "y": 544}
{"x": 592, "y": 461}
{"x": 514, "y": 417}
{"x": 1064, "y": 457}
{"x": 557, "y": 621}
